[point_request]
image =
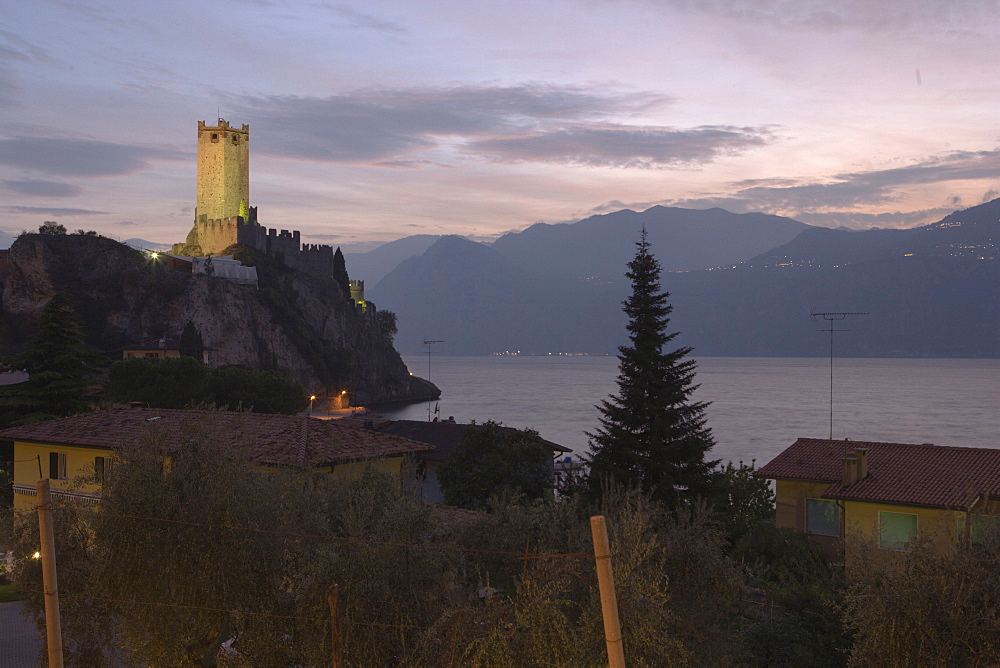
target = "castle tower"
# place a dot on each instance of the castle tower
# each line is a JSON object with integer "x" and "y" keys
{"x": 223, "y": 172}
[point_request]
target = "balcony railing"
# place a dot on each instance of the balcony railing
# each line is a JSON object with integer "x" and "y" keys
{"x": 84, "y": 497}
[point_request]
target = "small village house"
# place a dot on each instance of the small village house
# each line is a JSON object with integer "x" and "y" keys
{"x": 80, "y": 446}
{"x": 160, "y": 349}
{"x": 853, "y": 496}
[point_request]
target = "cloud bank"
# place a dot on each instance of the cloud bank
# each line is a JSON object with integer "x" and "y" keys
{"x": 78, "y": 157}
{"x": 515, "y": 124}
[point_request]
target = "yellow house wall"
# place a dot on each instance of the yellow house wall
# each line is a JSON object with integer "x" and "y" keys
{"x": 790, "y": 501}
{"x": 79, "y": 462}
{"x": 862, "y": 528}
{"x": 391, "y": 465}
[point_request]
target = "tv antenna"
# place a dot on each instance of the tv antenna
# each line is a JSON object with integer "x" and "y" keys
{"x": 429, "y": 353}
{"x": 833, "y": 318}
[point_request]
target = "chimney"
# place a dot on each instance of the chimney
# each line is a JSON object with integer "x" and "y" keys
{"x": 850, "y": 470}
{"x": 862, "y": 456}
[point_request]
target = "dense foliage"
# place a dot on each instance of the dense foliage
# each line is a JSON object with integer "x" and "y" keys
{"x": 59, "y": 368}
{"x": 932, "y": 609}
{"x": 191, "y": 344}
{"x": 185, "y": 381}
{"x": 214, "y": 559}
{"x": 651, "y": 433}
{"x": 340, "y": 273}
{"x": 495, "y": 460}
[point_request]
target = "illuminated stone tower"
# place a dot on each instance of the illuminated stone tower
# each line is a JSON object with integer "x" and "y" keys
{"x": 223, "y": 172}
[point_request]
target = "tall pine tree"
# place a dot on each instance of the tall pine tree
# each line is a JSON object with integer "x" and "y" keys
{"x": 59, "y": 367}
{"x": 340, "y": 273}
{"x": 651, "y": 433}
{"x": 191, "y": 344}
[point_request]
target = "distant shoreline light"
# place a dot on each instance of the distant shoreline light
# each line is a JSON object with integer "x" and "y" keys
{"x": 515, "y": 353}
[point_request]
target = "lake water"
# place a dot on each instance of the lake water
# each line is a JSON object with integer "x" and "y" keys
{"x": 759, "y": 406}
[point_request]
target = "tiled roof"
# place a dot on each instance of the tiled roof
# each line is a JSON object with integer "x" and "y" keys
{"x": 444, "y": 436}
{"x": 284, "y": 440}
{"x": 904, "y": 473}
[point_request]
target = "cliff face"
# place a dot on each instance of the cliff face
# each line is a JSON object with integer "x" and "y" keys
{"x": 300, "y": 324}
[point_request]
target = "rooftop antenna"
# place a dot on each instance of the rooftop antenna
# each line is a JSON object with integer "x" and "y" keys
{"x": 832, "y": 318}
{"x": 429, "y": 343}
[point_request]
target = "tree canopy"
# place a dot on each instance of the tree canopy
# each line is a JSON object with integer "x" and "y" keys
{"x": 58, "y": 366}
{"x": 652, "y": 434}
{"x": 340, "y": 273}
{"x": 180, "y": 382}
{"x": 492, "y": 460}
{"x": 191, "y": 344}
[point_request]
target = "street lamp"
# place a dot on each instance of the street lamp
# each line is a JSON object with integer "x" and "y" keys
{"x": 312, "y": 398}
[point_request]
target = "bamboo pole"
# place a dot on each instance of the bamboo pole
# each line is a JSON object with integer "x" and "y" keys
{"x": 331, "y": 598}
{"x": 606, "y": 584}
{"x": 50, "y": 585}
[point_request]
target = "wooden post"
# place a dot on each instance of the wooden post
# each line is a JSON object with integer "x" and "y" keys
{"x": 331, "y": 598}
{"x": 606, "y": 583}
{"x": 50, "y": 586}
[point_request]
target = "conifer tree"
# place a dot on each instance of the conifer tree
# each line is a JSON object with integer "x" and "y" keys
{"x": 191, "y": 344}
{"x": 340, "y": 273}
{"x": 58, "y": 365}
{"x": 651, "y": 433}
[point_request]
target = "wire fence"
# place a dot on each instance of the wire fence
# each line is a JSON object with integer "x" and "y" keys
{"x": 482, "y": 627}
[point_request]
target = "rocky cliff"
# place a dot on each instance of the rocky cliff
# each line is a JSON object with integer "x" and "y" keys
{"x": 293, "y": 322}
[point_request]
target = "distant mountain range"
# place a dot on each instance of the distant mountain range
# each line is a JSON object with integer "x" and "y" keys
{"x": 373, "y": 265}
{"x": 741, "y": 285}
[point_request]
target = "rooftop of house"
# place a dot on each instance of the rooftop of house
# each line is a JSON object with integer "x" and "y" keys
{"x": 444, "y": 436}
{"x": 898, "y": 473}
{"x": 281, "y": 440}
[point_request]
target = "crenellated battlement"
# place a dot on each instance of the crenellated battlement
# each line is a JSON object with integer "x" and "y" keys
{"x": 357, "y": 290}
{"x": 284, "y": 245}
{"x": 223, "y": 216}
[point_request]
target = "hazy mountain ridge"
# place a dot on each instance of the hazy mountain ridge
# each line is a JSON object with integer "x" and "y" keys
{"x": 687, "y": 239}
{"x": 925, "y": 293}
{"x": 370, "y": 267}
{"x": 972, "y": 233}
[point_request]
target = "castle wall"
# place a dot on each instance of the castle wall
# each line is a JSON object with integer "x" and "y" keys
{"x": 215, "y": 236}
{"x": 312, "y": 259}
{"x": 223, "y": 172}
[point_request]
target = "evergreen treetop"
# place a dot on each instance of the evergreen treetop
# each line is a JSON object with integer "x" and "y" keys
{"x": 191, "y": 344}
{"x": 58, "y": 365}
{"x": 651, "y": 433}
{"x": 340, "y": 272}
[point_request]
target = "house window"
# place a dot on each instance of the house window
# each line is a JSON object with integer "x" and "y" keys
{"x": 822, "y": 517}
{"x": 982, "y": 528}
{"x": 101, "y": 466}
{"x": 895, "y": 530}
{"x": 57, "y": 465}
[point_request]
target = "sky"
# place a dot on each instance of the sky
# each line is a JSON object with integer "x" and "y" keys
{"x": 371, "y": 121}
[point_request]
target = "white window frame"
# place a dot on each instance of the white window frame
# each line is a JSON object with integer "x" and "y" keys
{"x": 61, "y": 465}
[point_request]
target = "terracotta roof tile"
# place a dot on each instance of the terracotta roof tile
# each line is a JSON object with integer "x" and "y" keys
{"x": 444, "y": 436}
{"x": 286, "y": 440}
{"x": 904, "y": 473}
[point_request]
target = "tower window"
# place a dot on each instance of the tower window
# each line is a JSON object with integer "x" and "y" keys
{"x": 236, "y": 139}
{"x": 215, "y": 137}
